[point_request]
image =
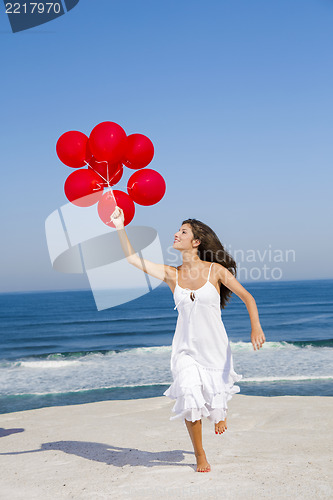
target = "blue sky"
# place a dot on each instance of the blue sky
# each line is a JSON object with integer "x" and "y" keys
{"x": 236, "y": 97}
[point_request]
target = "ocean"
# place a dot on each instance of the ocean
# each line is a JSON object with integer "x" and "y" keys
{"x": 57, "y": 349}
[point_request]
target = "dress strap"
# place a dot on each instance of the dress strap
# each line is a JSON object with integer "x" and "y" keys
{"x": 176, "y": 276}
{"x": 209, "y": 271}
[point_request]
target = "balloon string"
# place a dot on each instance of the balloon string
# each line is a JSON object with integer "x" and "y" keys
{"x": 107, "y": 171}
{"x": 106, "y": 180}
{"x": 96, "y": 170}
{"x": 114, "y": 175}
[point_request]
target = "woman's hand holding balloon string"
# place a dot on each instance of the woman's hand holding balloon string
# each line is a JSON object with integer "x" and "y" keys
{"x": 118, "y": 218}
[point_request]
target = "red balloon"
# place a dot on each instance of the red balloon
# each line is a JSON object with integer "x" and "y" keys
{"x": 107, "y": 141}
{"x": 146, "y": 187}
{"x": 139, "y": 151}
{"x": 113, "y": 173}
{"x": 83, "y": 188}
{"x": 89, "y": 155}
{"x": 72, "y": 148}
{"x": 107, "y": 205}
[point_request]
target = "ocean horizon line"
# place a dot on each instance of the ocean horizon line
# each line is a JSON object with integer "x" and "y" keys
{"x": 162, "y": 284}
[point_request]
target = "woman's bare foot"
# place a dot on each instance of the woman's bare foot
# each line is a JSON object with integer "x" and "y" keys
{"x": 202, "y": 464}
{"x": 221, "y": 426}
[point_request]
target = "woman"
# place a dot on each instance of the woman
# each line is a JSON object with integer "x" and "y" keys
{"x": 201, "y": 360}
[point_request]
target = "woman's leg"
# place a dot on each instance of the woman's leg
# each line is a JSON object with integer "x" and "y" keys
{"x": 195, "y": 432}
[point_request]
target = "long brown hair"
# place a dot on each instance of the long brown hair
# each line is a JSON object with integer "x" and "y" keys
{"x": 212, "y": 250}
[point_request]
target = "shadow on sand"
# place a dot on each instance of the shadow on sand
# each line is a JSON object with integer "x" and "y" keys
{"x": 112, "y": 455}
{"x": 8, "y": 432}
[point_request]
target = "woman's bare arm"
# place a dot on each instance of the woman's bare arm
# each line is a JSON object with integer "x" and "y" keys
{"x": 159, "y": 271}
{"x": 229, "y": 280}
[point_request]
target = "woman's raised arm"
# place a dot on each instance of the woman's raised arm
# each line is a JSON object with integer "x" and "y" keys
{"x": 159, "y": 271}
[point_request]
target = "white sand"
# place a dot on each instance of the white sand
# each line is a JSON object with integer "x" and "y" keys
{"x": 277, "y": 447}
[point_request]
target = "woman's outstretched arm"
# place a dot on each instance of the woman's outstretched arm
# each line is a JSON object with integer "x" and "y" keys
{"x": 229, "y": 280}
{"x": 159, "y": 271}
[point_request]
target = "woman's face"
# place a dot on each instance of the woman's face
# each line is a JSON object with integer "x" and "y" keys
{"x": 183, "y": 237}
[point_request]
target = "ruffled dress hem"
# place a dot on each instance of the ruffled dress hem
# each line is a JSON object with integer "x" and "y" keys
{"x": 202, "y": 392}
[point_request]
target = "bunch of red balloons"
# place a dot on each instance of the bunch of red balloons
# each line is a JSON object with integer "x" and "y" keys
{"x": 104, "y": 154}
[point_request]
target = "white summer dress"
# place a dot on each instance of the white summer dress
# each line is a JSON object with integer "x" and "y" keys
{"x": 201, "y": 359}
